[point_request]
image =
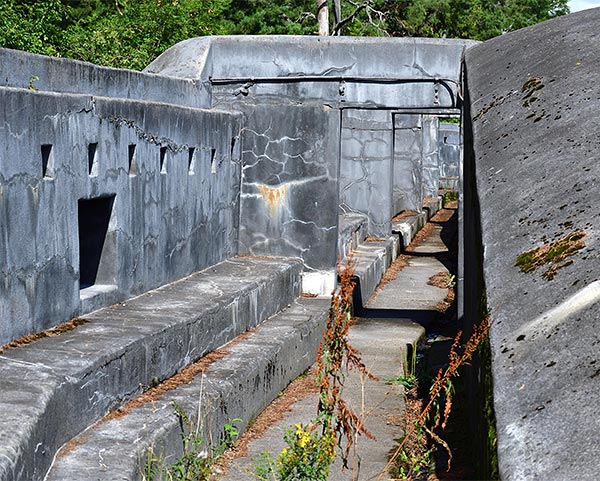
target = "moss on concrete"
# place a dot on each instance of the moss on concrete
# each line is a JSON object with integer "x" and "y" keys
{"x": 555, "y": 254}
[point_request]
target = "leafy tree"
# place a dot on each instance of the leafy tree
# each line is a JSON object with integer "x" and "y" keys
{"x": 475, "y": 19}
{"x": 34, "y": 25}
{"x": 132, "y": 33}
{"x": 266, "y": 17}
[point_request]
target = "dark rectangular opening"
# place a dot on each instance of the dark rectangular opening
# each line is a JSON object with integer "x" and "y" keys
{"x": 132, "y": 166}
{"x": 163, "y": 158}
{"x": 191, "y": 160}
{"x": 92, "y": 159}
{"x": 232, "y": 148}
{"x": 93, "y": 217}
{"x": 213, "y": 161}
{"x": 47, "y": 161}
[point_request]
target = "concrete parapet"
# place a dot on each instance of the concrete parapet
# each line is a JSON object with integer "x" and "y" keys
{"x": 408, "y": 227}
{"x": 115, "y": 197}
{"x": 371, "y": 260}
{"x": 54, "y": 388}
{"x": 50, "y": 74}
{"x": 352, "y": 232}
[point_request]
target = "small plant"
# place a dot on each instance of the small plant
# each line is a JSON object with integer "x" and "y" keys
{"x": 32, "y": 80}
{"x": 308, "y": 457}
{"x": 449, "y": 196}
{"x": 408, "y": 381}
{"x": 412, "y": 455}
{"x": 312, "y": 447}
{"x": 197, "y": 459}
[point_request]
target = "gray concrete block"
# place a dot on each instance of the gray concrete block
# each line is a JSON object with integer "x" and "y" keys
{"x": 352, "y": 232}
{"x": 79, "y": 376}
{"x": 408, "y": 227}
{"x": 371, "y": 260}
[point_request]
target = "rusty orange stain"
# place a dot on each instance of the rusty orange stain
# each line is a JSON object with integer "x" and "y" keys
{"x": 273, "y": 196}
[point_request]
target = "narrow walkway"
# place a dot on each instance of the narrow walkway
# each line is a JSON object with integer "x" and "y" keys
{"x": 393, "y": 319}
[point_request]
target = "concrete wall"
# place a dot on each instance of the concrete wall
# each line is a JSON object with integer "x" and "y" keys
{"x": 449, "y": 151}
{"x": 345, "y": 74}
{"x": 121, "y": 184}
{"x": 158, "y": 212}
{"x": 536, "y": 162}
{"x": 50, "y": 74}
{"x": 366, "y": 167}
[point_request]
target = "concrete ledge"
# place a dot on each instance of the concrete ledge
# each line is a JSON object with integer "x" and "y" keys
{"x": 352, "y": 231}
{"x": 240, "y": 385}
{"x": 54, "y": 388}
{"x": 371, "y": 261}
{"x": 408, "y": 227}
{"x": 432, "y": 206}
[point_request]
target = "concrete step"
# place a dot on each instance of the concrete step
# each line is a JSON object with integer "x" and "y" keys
{"x": 352, "y": 232}
{"x": 239, "y": 385}
{"x": 54, "y": 388}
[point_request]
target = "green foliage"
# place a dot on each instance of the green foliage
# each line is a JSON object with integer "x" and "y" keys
{"x": 408, "y": 381}
{"x": 34, "y": 25}
{"x": 449, "y": 196}
{"x": 132, "y": 33}
{"x": 474, "y": 19}
{"x": 264, "y": 17}
{"x": 308, "y": 457}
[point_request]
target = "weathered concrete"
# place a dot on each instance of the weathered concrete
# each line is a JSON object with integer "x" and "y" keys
{"x": 384, "y": 334}
{"x": 54, "y": 388}
{"x": 274, "y": 78}
{"x": 240, "y": 385}
{"x": 50, "y": 74}
{"x": 143, "y": 168}
{"x": 534, "y": 111}
{"x": 371, "y": 260}
{"x": 366, "y": 167}
{"x": 408, "y": 163}
{"x": 289, "y": 184}
{"x": 352, "y": 231}
{"x": 449, "y": 151}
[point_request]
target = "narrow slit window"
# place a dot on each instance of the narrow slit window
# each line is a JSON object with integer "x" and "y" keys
{"x": 233, "y": 145}
{"x": 93, "y": 220}
{"x": 213, "y": 161}
{"x": 92, "y": 160}
{"x": 163, "y": 160}
{"x": 132, "y": 162}
{"x": 47, "y": 161}
{"x": 191, "y": 160}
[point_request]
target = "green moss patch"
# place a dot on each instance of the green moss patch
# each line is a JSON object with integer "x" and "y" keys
{"x": 555, "y": 254}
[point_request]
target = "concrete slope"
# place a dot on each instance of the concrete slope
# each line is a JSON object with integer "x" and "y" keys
{"x": 534, "y": 102}
{"x": 52, "y": 389}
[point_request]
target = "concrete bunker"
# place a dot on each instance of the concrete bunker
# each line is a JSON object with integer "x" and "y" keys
{"x": 264, "y": 124}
